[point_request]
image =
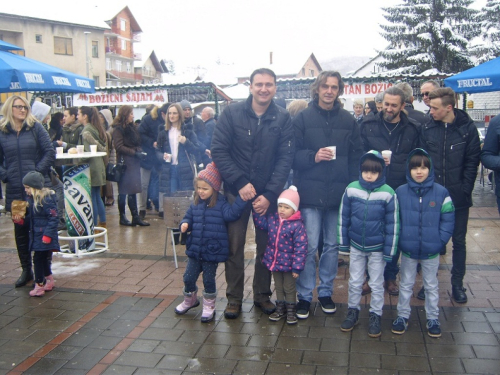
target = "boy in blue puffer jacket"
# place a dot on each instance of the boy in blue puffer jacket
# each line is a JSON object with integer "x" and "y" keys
{"x": 207, "y": 244}
{"x": 368, "y": 228}
{"x": 427, "y": 221}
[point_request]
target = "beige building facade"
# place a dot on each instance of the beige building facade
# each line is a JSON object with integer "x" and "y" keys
{"x": 61, "y": 44}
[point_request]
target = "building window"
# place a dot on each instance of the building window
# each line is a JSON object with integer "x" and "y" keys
{"x": 95, "y": 48}
{"x": 311, "y": 72}
{"x": 38, "y": 38}
{"x": 123, "y": 25}
{"x": 63, "y": 46}
{"x": 128, "y": 67}
{"x": 96, "y": 81}
{"x": 303, "y": 72}
{"x": 108, "y": 64}
{"x": 118, "y": 66}
{"x": 124, "y": 45}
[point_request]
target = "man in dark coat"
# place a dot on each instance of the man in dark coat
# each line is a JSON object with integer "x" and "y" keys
{"x": 452, "y": 140}
{"x": 199, "y": 128}
{"x": 326, "y": 160}
{"x": 391, "y": 130}
{"x": 490, "y": 154}
{"x": 253, "y": 147}
{"x": 207, "y": 115}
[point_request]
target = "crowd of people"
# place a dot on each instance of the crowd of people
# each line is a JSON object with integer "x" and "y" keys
{"x": 386, "y": 183}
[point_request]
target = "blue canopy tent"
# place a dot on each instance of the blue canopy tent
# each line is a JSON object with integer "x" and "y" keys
{"x": 482, "y": 78}
{"x": 19, "y": 73}
{"x": 4, "y": 46}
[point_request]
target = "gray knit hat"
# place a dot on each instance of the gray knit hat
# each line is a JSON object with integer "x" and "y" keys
{"x": 185, "y": 104}
{"x": 34, "y": 180}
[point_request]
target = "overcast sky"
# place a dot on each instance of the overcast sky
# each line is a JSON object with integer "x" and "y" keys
{"x": 242, "y": 32}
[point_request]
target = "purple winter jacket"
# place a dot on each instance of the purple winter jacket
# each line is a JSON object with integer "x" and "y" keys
{"x": 286, "y": 249}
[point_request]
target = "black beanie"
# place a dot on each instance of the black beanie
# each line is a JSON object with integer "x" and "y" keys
{"x": 34, "y": 180}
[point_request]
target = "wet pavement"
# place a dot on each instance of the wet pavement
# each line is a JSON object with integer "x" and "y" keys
{"x": 113, "y": 313}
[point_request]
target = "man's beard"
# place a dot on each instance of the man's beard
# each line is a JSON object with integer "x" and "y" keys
{"x": 390, "y": 116}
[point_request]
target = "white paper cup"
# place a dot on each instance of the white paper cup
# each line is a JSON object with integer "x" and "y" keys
{"x": 79, "y": 148}
{"x": 334, "y": 150}
{"x": 59, "y": 150}
{"x": 387, "y": 154}
{"x": 93, "y": 149}
{"x": 167, "y": 157}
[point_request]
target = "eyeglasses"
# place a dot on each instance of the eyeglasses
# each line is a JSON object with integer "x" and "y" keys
{"x": 19, "y": 107}
{"x": 426, "y": 93}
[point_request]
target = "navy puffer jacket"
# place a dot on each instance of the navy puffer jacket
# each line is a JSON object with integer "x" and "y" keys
{"x": 208, "y": 240}
{"x": 427, "y": 215}
{"x": 31, "y": 150}
{"x": 43, "y": 222}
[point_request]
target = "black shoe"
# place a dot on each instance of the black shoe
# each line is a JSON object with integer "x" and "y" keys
{"x": 421, "y": 294}
{"x": 267, "y": 307}
{"x": 160, "y": 214}
{"x": 136, "y": 220}
{"x": 303, "y": 309}
{"x": 125, "y": 221}
{"x": 327, "y": 305}
{"x": 458, "y": 294}
{"x": 26, "y": 276}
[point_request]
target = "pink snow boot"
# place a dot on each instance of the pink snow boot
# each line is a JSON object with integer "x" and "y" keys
{"x": 49, "y": 283}
{"x": 208, "y": 310}
{"x": 190, "y": 301}
{"x": 38, "y": 291}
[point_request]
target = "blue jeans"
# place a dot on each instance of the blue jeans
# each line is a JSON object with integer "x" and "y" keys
{"x": 431, "y": 285}
{"x": 193, "y": 269}
{"x": 174, "y": 178}
{"x": 315, "y": 220}
{"x": 98, "y": 205}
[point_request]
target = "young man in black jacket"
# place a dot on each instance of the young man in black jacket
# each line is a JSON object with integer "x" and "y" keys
{"x": 452, "y": 140}
{"x": 253, "y": 147}
{"x": 321, "y": 175}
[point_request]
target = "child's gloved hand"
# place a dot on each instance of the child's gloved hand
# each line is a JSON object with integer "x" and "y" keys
{"x": 184, "y": 227}
{"x": 46, "y": 239}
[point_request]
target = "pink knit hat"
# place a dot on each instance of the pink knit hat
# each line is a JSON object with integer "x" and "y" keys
{"x": 290, "y": 197}
{"x": 211, "y": 176}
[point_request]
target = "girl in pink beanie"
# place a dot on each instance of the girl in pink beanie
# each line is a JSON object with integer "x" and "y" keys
{"x": 286, "y": 251}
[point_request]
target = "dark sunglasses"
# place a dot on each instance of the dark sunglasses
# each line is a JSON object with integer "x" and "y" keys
{"x": 426, "y": 93}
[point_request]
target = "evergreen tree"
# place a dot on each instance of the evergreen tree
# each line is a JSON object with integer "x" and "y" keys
{"x": 489, "y": 18}
{"x": 429, "y": 34}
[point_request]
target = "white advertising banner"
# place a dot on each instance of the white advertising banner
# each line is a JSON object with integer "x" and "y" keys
{"x": 365, "y": 90}
{"x": 132, "y": 97}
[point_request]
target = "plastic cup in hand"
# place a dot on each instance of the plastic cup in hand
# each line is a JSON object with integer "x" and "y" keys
{"x": 386, "y": 154}
{"x": 79, "y": 149}
{"x": 59, "y": 150}
{"x": 167, "y": 157}
{"x": 334, "y": 151}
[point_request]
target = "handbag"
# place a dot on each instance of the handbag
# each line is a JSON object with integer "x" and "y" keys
{"x": 114, "y": 172}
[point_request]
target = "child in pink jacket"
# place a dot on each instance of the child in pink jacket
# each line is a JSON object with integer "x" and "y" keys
{"x": 286, "y": 251}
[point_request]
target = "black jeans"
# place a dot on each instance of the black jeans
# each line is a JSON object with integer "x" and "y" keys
{"x": 459, "y": 248}
{"x": 42, "y": 265}
{"x": 22, "y": 237}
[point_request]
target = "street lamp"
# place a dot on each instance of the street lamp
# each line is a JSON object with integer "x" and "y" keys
{"x": 87, "y": 52}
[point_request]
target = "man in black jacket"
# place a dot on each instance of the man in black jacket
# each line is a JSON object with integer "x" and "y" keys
{"x": 451, "y": 139}
{"x": 207, "y": 115}
{"x": 253, "y": 148}
{"x": 322, "y": 173}
{"x": 391, "y": 130}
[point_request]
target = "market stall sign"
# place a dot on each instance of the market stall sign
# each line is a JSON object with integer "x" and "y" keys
{"x": 132, "y": 97}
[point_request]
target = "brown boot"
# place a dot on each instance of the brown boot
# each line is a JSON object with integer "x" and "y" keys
{"x": 392, "y": 287}
{"x": 366, "y": 289}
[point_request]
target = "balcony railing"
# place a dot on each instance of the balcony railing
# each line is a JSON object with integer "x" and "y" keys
{"x": 136, "y": 37}
{"x": 137, "y": 56}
